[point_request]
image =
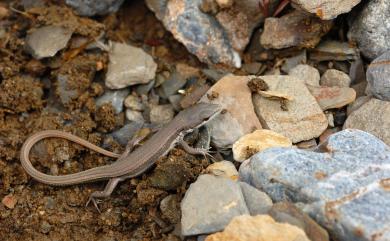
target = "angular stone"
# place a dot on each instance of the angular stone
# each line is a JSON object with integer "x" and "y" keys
{"x": 326, "y": 9}
{"x": 374, "y": 117}
{"x": 47, "y": 41}
{"x": 114, "y": 97}
{"x": 257, "y": 201}
{"x": 307, "y": 73}
{"x": 223, "y": 169}
{"x": 294, "y": 29}
{"x": 332, "y": 97}
{"x": 285, "y": 212}
{"x": 296, "y": 60}
{"x": 378, "y": 76}
{"x": 260, "y": 227}
{"x": 124, "y": 134}
{"x": 334, "y": 50}
{"x": 129, "y": 66}
{"x": 370, "y": 28}
{"x": 91, "y": 8}
{"x": 343, "y": 185}
{"x": 210, "y": 204}
{"x": 334, "y": 77}
{"x": 258, "y": 141}
{"x": 233, "y": 94}
{"x": 303, "y": 119}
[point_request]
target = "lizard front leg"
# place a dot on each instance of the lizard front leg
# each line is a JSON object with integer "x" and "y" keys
{"x": 195, "y": 151}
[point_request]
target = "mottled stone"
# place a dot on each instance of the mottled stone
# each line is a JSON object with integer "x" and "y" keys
{"x": 374, "y": 117}
{"x": 161, "y": 114}
{"x": 295, "y": 29}
{"x": 233, "y": 94}
{"x": 303, "y": 119}
{"x": 332, "y": 97}
{"x": 370, "y": 28}
{"x": 47, "y": 41}
{"x": 325, "y": 9}
{"x": 343, "y": 185}
{"x": 129, "y": 66}
{"x": 223, "y": 169}
{"x": 133, "y": 115}
{"x": 257, "y": 201}
{"x": 91, "y": 8}
{"x": 260, "y": 227}
{"x": 378, "y": 76}
{"x": 307, "y": 73}
{"x": 334, "y": 77}
{"x": 210, "y": 204}
{"x": 134, "y": 102}
{"x": 258, "y": 141}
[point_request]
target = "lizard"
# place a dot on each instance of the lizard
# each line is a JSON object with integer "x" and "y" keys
{"x": 130, "y": 163}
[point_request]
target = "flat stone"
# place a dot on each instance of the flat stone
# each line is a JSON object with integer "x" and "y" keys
{"x": 233, "y": 94}
{"x": 325, "y": 9}
{"x": 161, "y": 114}
{"x": 129, "y": 66}
{"x": 332, "y": 97}
{"x": 370, "y": 28}
{"x": 303, "y": 119}
{"x": 334, "y": 50}
{"x": 133, "y": 115}
{"x": 378, "y": 77}
{"x": 295, "y": 29}
{"x": 258, "y": 141}
{"x": 343, "y": 185}
{"x": 114, "y": 97}
{"x": 334, "y": 77}
{"x": 260, "y": 227}
{"x": 258, "y": 202}
{"x": 307, "y": 73}
{"x": 373, "y": 117}
{"x": 223, "y": 169}
{"x": 47, "y": 41}
{"x": 286, "y": 212}
{"x": 91, "y": 8}
{"x": 210, "y": 204}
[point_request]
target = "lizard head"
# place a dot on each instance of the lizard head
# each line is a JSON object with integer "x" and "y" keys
{"x": 197, "y": 115}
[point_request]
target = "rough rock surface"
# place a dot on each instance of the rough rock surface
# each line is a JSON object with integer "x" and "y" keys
{"x": 257, "y": 201}
{"x": 326, "y": 9}
{"x": 294, "y": 29}
{"x": 303, "y": 119}
{"x": 344, "y": 185}
{"x": 374, "y": 117}
{"x": 129, "y": 66}
{"x": 334, "y": 77}
{"x": 261, "y": 227}
{"x": 378, "y": 77}
{"x": 332, "y": 97}
{"x": 307, "y": 73}
{"x": 370, "y": 29}
{"x": 47, "y": 41}
{"x": 258, "y": 141}
{"x": 233, "y": 94}
{"x": 91, "y": 8}
{"x": 209, "y": 205}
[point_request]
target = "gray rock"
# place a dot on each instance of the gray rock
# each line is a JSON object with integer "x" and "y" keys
{"x": 173, "y": 84}
{"x": 303, "y": 119}
{"x": 115, "y": 98}
{"x": 357, "y": 104}
{"x": 378, "y": 76}
{"x": 64, "y": 91}
{"x": 47, "y": 41}
{"x": 129, "y": 66}
{"x": 291, "y": 62}
{"x": 307, "y": 73}
{"x": 214, "y": 74}
{"x": 371, "y": 28}
{"x": 91, "y": 8}
{"x": 161, "y": 114}
{"x": 144, "y": 89}
{"x": 343, "y": 185}
{"x": 258, "y": 202}
{"x": 134, "y": 102}
{"x": 133, "y": 115}
{"x": 325, "y": 9}
{"x": 124, "y": 134}
{"x": 334, "y": 77}
{"x": 210, "y": 204}
{"x": 374, "y": 117}
{"x": 175, "y": 101}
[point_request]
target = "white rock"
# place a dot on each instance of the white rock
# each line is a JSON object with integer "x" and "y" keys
{"x": 129, "y": 66}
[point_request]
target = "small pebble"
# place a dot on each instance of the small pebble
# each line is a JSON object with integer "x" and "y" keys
{"x": 161, "y": 114}
{"x": 9, "y": 201}
{"x": 133, "y": 115}
{"x": 134, "y": 103}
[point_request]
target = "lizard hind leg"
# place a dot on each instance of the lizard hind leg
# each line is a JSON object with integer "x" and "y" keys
{"x": 112, "y": 183}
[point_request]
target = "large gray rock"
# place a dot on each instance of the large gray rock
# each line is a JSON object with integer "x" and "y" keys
{"x": 371, "y": 28}
{"x": 47, "y": 41}
{"x": 374, "y": 117}
{"x": 344, "y": 185}
{"x": 91, "y": 7}
{"x": 325, "y": 9}
{"x": 378, "y": 73}
{"x": 257, "y": 201}
{"x": 210, "y": 204}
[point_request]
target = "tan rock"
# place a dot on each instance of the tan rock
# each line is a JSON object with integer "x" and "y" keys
{"x": 9, "y": 201}
{"x": 307, "y": 73}
{"x": 258, "y": 141}
{"x": 233, "y": 94}
{"x": 300, "y": 119}
{"x": 325, "y": 9}
{"x": 334, "y": 77}
{"x": 223, "y": 169}
{"x": 332, "y": 97}
{"x": 256, "y": 228}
